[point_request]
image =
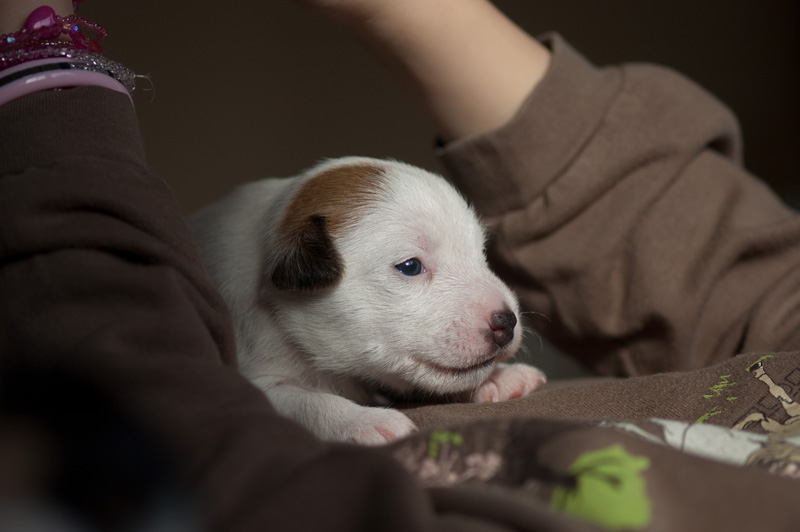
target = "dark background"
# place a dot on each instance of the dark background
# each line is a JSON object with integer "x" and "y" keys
{"x": 244, "y": 90}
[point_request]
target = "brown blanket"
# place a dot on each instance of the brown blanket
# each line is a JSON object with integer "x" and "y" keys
{"x": 712, "y": 449}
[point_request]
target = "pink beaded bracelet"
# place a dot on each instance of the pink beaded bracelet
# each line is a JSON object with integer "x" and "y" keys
{"x": 44, "y": 25}
{"x": 46, "y": 74}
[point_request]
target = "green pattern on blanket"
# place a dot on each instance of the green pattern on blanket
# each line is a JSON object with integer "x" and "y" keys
{"x": 441, "y": 437}
{"x": 721, "y": 389}
{"x": 609, "y": 490}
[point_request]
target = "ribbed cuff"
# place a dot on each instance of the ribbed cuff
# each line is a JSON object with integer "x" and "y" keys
{"x": 48, "y": 126}
{"x": 504, "y": 169}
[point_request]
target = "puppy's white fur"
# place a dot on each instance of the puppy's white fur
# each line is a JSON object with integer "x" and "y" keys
{"x": 323, "y": 316}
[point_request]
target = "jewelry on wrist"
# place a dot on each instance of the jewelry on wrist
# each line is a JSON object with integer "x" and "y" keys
{"x": 89, "y": 61}
{"x": 46, "y": 74}
{"x": 44, "y": 25}
{"x": 39, "y": 57}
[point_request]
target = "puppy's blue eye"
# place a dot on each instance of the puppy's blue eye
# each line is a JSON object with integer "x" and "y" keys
{"x": 410, "y": 267}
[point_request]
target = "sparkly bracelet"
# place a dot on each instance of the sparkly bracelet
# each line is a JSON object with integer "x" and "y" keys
{"x": 88, "y": 60}
{"x": 46, "y": 74}
{"x": 36, "y": 58}
{"x": 44, "y": 25}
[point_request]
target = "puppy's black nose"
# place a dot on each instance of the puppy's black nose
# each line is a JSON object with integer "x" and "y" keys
{"x": 502, "y": 325}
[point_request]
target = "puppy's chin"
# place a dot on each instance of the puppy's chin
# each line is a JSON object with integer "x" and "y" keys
{"x": 439, "y": 374}
{"x": 436, "y": 378}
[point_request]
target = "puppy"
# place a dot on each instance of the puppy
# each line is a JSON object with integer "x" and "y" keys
{"x": 357, "y": 276}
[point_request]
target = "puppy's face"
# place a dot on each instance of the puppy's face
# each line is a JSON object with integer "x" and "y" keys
{"x": 378, "y": 272}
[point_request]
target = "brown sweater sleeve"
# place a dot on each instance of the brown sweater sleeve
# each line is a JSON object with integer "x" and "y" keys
{"x": 621, "y": 213}
{"x": 99, "y": 278}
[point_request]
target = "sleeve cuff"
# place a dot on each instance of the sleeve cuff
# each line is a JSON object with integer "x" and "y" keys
{"x": 42, "y": 126}
{"x": 547, "y": 132}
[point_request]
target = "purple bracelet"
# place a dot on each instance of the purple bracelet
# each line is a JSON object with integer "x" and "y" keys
{"x": 46, "y": 74}
{"x": 35, "y": 58}
{"x": 44, "y": 25}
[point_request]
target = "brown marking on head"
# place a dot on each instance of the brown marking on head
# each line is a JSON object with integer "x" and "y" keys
{"x": 325, "y": 205}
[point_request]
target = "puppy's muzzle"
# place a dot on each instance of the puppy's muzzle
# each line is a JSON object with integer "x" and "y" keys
{"x": 502, "y": 325}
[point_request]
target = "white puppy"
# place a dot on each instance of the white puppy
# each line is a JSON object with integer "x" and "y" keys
{"x": 356, "y": 276}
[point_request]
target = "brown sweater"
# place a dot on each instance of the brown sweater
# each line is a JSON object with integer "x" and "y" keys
{"x": 624, "y": 216}
{"x": 620, "y": 212}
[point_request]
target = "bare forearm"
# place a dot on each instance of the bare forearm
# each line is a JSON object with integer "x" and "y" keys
{"x": 469, "y": 65}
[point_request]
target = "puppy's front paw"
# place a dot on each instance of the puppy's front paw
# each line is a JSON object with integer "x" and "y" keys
{"x": 509, "y": 381}
{"x": 377, "y": 426}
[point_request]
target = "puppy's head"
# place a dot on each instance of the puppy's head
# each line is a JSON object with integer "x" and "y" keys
{"x": 377, "y": 271}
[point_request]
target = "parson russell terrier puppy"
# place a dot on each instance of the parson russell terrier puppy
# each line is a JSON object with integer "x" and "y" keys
{"x": 358, "y": 276}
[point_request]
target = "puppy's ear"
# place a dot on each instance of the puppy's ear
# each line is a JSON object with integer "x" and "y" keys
{"x": 305, "y": 257}
{"x": 308, "y": 260}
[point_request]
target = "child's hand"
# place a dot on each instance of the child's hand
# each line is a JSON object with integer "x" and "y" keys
{"x": 467, "y": 64}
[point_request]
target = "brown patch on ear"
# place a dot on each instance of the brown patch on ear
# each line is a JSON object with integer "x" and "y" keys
{"x": 307, "y": 258}
{"x": 311, "y": 262}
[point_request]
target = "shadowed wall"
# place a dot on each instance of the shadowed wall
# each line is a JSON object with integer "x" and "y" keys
{"x": 246, "y": 90}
